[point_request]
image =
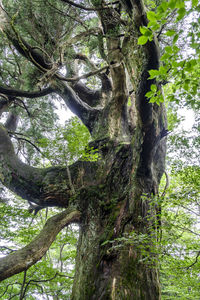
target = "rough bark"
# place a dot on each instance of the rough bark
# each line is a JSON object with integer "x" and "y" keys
{"x": 113, "y": 194}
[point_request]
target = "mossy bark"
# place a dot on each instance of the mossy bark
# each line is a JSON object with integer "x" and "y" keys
{"x": 113, "y": 260}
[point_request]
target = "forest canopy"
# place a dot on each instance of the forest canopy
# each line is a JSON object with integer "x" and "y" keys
{"x": 99, "y": 168}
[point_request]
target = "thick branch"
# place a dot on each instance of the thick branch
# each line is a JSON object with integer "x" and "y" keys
{"x": 19, "y": 93}
{"x": 19, "y": 177}
{"x": 86, "y": 113}
{"x": 44, "y": 187}
{"x": 24, "y": 258}
{"x": 91, "y": 97}
{"x": 33, "y": 54}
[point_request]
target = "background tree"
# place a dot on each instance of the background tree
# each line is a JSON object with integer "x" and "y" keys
{"x": 97, "y": 58}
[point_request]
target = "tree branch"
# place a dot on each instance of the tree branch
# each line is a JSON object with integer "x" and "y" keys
{"x": 105, "y": 80}
{"x": 44, "y": 187}
{"x": 89, "y": 74}
{"x": 19, "y": 93}
{"x": 82, "y": 6}
{"x": 89, "y": 96}
{"x": 24, "y": 258}
{"x": 14, "y": 134}
{"x": 196, "y": 260}
{"x": 86, "y": 113}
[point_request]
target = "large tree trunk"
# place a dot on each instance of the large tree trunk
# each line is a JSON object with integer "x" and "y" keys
{"x": 121, "y": 206}
{"x": 124, "y": 269}
{"x": 116, "y": 252}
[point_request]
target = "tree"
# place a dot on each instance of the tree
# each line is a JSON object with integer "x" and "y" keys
{"x": 110, "y": 197}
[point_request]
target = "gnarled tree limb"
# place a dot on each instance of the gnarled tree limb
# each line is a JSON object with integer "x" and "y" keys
{"x": 19, "y": 93}
{"x": 44, "y": 187}
{"x": 24, "y": 258}
{"x": 86, "y": 113}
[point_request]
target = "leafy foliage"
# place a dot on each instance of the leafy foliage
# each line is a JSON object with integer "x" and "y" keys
{"x": 180, "y": 63}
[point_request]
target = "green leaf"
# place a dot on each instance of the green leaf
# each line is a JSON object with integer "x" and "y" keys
{"x": 180, "y": 3}
{"x": 151, "y": 15}
{"x": 153, "y": 87}
{"x": 172, "y": 4}
{"x": 153, "y": 100}
{"x": 161, "y": 99}
{"x": 181, "y": 13}
{"x": 154, "y": 25}
{"x": 129, "y": 101}
{"x": 170, "y": 32}
{"x": 145, "y": 31}
{"x": 165, "y": 56}
{"x": 164, "y": 6}
{"x": 163, "y": 70}
{"x": 175, "y": 39}
{"x": 149, "y": 94}
{"x": 153, "y": 74}
{"x": 169, "y": 49}
{"x": 142, "y": 40}
{"x": 194, "y": 3}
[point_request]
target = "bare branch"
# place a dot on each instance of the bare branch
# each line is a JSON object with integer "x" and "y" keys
{"x": 23, "y": 105}
{"x": 7, "y": 248}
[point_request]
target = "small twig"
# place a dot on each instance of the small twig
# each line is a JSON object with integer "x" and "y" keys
{"x": 14, "y": 283}
{"x": 24, "y": 106}
{"x": 22, "y": 292}
{"x": 67, "y": 15}
{"x": 196, "y": 260}
{"x": 7, "y": 248}
{"x": 26, "y": 140}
